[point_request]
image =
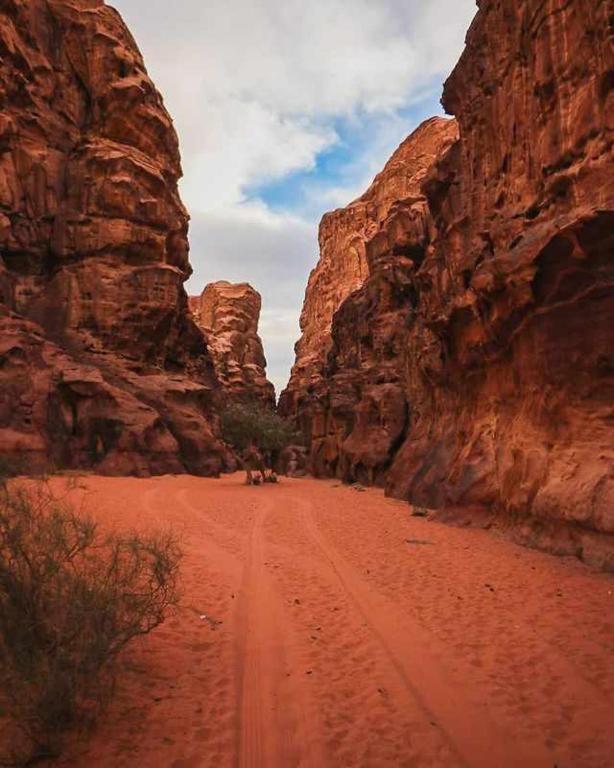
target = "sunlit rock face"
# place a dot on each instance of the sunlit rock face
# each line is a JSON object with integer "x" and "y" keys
{"x": 343, "y": 266}
{"x": 228, "y": 314}
{"x": 357, "y": 413}
{"x": 101, "y": 364}
{"x": 501, "y": 356}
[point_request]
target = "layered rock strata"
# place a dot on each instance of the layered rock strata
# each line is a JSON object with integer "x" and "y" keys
{"x": 101, "y": 364}
{"x": 228, "y": 314}
{"x": 505, "y": 357}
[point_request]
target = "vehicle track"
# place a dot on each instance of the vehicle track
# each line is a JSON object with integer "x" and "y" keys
{"x": 473, "y": 737}
{"x": 311, "y": 636}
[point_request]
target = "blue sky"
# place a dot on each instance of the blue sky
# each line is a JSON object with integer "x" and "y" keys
{"x": 285, "y": 110}
{"x": 341, "y": 166}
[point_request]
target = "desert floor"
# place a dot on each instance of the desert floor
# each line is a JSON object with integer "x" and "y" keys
{"x": 321, "y": 626}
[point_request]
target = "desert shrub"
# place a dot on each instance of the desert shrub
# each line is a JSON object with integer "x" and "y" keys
{"x": 71, "y": 598}
{"x": 246, "y": 424}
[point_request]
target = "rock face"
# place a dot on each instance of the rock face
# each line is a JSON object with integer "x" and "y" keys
{"x": 343, "y": 266}
{"x": 101, "y": 365}
{"x": 352, "y": 409}
{"x": 228, "y": 314}
{"x": 504, "y": 361}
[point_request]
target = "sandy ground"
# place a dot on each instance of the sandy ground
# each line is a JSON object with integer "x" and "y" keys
{"x": 342, "y": 632}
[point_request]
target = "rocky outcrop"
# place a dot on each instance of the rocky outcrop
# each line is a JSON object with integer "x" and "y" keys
{"x": 505, "y": 357}
{"x": 343, "y": 266}
{"x": 356, "y": 413}
{"x": 101, "y": 365}
{"x": 228, "y": 314}
{"x": 510, "y": 360}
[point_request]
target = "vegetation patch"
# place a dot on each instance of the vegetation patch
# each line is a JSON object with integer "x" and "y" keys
{"x": 71, "y": 599}
{"x": 244, "y": 425}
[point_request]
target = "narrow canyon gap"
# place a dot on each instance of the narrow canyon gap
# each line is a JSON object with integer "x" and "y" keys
{"x": 456, "y": 354}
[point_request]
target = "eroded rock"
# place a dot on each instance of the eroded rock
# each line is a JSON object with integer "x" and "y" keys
{"x": 102, "y": 365}
{"x": 495, "y": 344}
{"x": 357, "y": 420}
{"x": 228, "y": 315}
{"x": 509, "y": 361}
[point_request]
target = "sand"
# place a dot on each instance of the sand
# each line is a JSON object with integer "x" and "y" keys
{"x": 321, "y": 626}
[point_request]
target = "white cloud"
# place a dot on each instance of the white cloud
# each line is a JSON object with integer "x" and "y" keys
{"x": 257, "y": 88}
{"x": 230, "y": 157}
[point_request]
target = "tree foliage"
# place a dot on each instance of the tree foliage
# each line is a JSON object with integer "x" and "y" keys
{"x": 246, "y": 424}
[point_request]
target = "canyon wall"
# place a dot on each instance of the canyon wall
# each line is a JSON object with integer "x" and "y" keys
{"x": 472, "y": 372}
{"x": 352, "y": 410}
{"x": 228, "y": 314}
{"x": 101, "y": 364}
{"x": 343, "y": 266}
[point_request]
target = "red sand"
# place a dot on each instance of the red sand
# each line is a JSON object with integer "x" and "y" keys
{"x": 342, "y": 632}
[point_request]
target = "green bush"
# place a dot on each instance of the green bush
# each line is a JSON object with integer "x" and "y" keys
{"x": 246, "y": 424}
{"x": 71, "y": 598}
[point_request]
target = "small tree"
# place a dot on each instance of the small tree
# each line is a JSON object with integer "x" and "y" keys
{"x": 247, "y": 424}
{"x": 71, "y": 599}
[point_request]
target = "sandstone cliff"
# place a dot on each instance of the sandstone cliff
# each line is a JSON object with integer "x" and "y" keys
{"x": 343, "y": 266}
{"x": 228, "y": 314}
{"x": 504, "y": 362}
{"x": 101, "y": 364}
{"x": 353, "y": 410}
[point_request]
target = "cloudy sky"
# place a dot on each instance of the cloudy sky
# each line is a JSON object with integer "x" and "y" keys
{"x": 286, "y": 109}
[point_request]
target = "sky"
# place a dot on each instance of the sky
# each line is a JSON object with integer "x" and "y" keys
{"x": 286, "y": 109}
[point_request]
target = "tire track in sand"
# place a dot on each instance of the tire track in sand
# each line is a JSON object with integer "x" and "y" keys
{"x": 366, "y": 668}
{"x": 274, "y": 725}
{"x": 413, "y": 653}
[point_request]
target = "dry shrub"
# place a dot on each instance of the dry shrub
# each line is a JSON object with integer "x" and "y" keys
{"x": 71, "y": 598}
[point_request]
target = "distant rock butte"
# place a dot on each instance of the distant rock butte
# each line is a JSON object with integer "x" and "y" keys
{"x": 470, "y": 370}
{"x": 228, "y": 315}
{"x": 101, "y": 364}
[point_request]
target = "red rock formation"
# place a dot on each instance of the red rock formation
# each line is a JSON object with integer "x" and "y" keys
{"x": 228, "y": 314}
{"x": 506, "y": 358}
{"x": 510, "y": 358}
{"x": 356, "y": 413}
{"x": 100, "y": 363}
{"x": 343, "y": 266}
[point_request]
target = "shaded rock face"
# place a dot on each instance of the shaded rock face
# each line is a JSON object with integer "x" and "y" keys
{"x": 505, "y": 357}
{"x": 101, "y": 364}
{"x": 509, "y": 361}
{"x": 228, "y": 314}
